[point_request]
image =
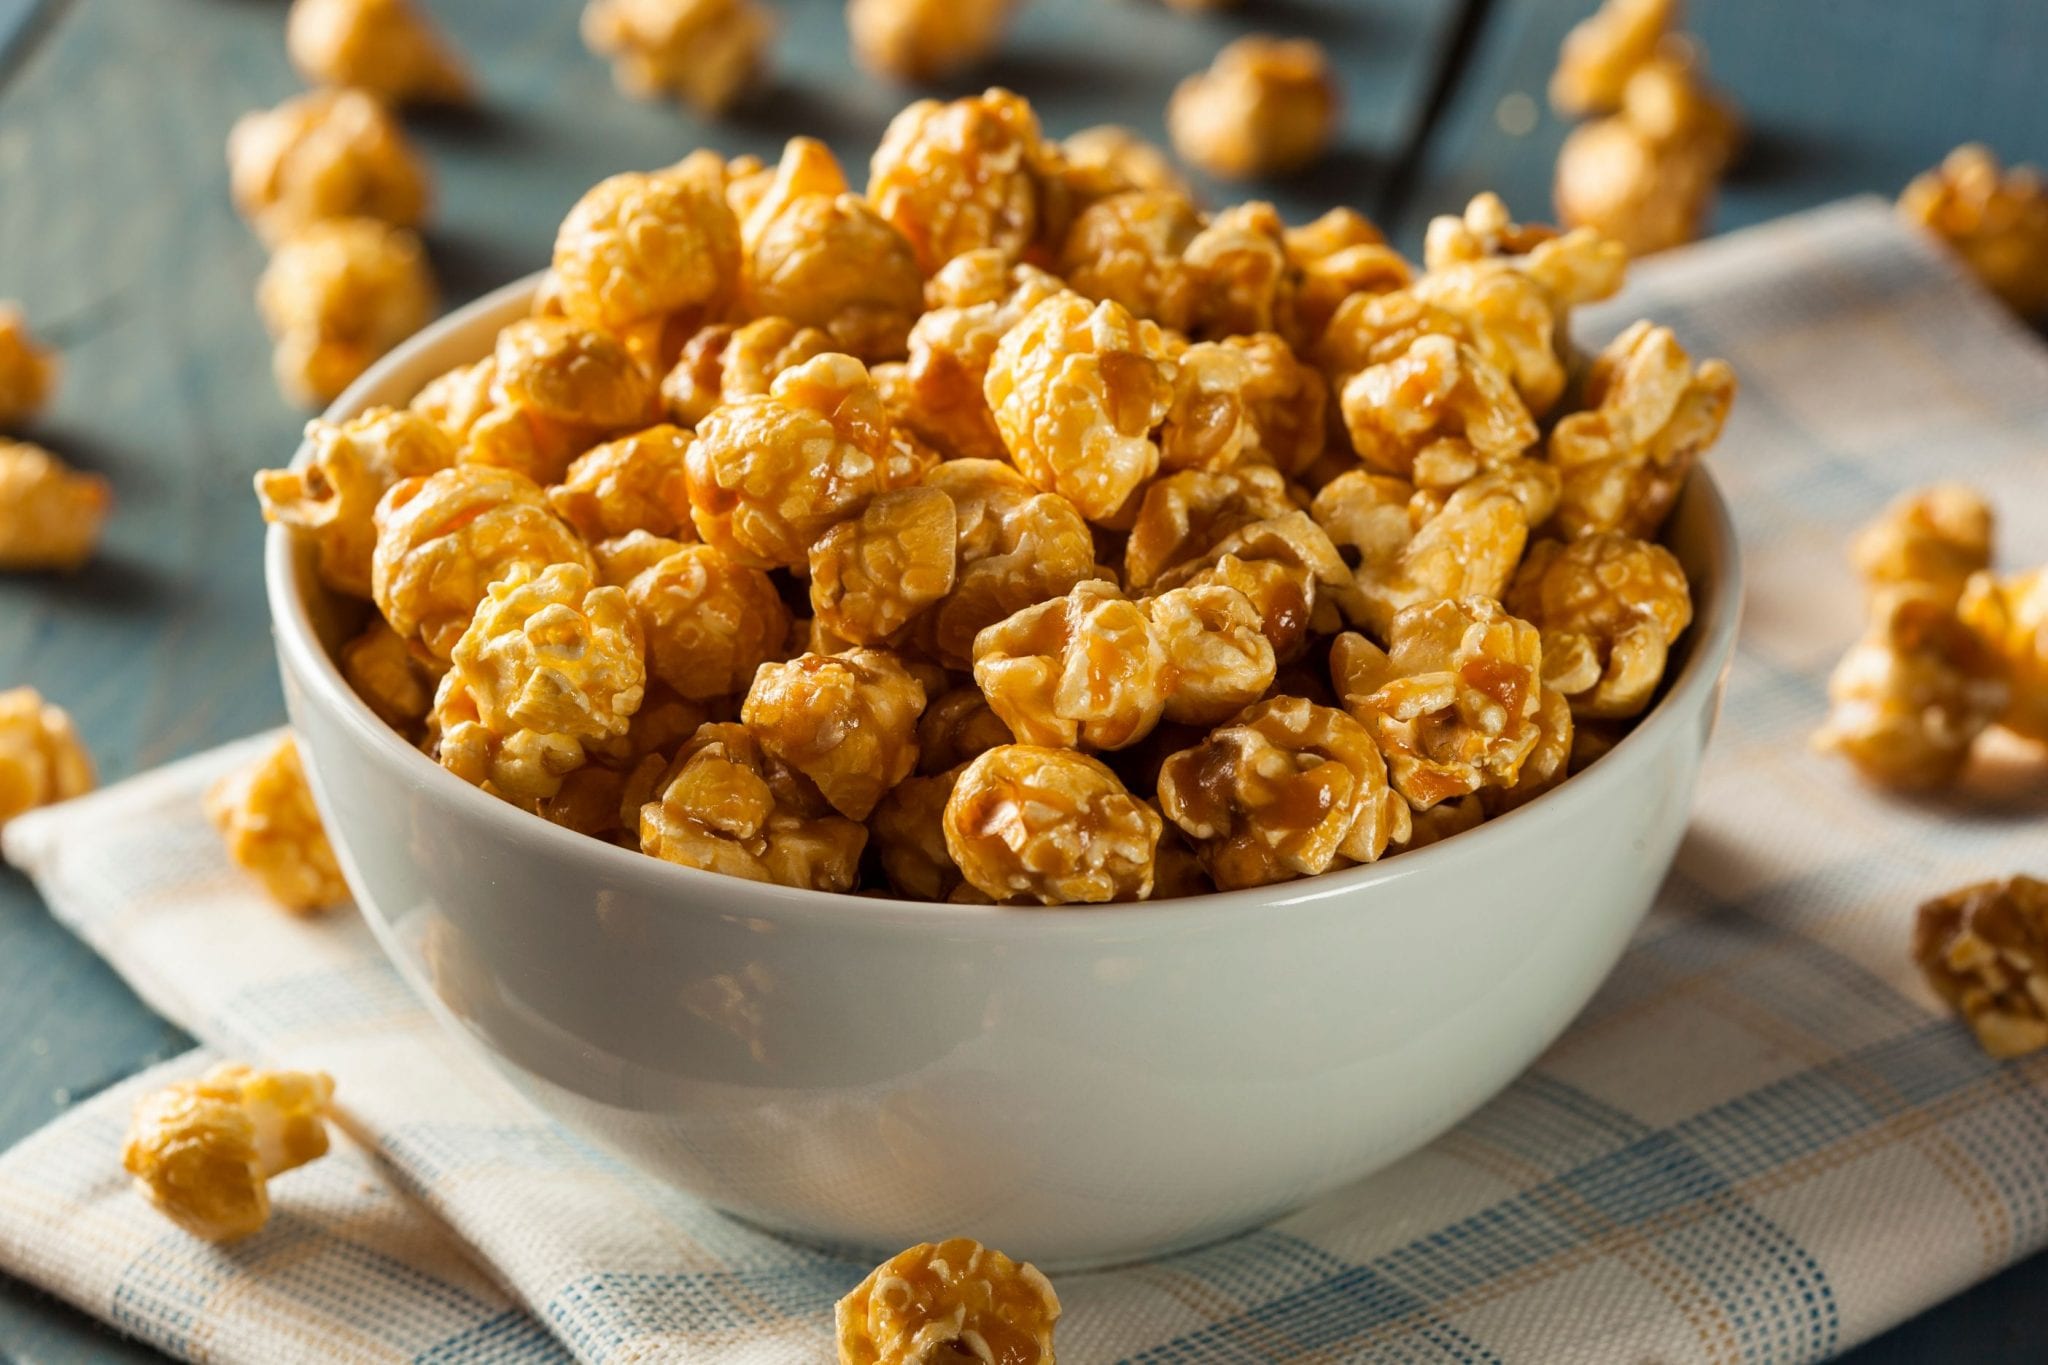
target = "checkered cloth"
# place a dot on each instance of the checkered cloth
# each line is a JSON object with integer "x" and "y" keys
{"x": 1762, "y": 1142}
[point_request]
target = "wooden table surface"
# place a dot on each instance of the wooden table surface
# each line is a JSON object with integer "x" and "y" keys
{"x": 116, "y": 234}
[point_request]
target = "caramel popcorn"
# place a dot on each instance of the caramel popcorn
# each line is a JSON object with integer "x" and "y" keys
{"x": 635, "y": 483}
{"x": 2011, "y": 616}
{"x": 1085, "y": 670}
{"x": 974, "y": 299}
{"x": 325, "y": 154}
{"x": 1284, "y": 401}
{"x": 949, "y": 1300}
{"x": 1579, "y": 266}
{"x": 1468, "y": 548}
{"x": 957, "y": 726}
{"x": 1054, "y": 826}
{"x": 1076, "y": 391}
{"x": 266, "y": 816}
{"x": 1620, "y": 181}
{"x": 848, "y": 722}
{"x": 725, "y": 806}
{"x": 386, "y": 47}
{"x": 556, "y": 389}
{"x": 1453, "y": 700}
{"x": 336, "y": 295}
{"x": 1438, "y": 400}
{"x": 391, "y": 680}
{"x": 202, "y": 1151}
{"x": 1127, "y": 249}
{"x": 1218, "y": 659}
{"x": 1124, "y": 158}
{"x": 1510, "y": 319}
{"x": 1336, "y": 256}
{"x": 1650, "y": 414}
{"x": 872, "y": 574}
{"x": 1984, "y": 950}
{"x": 722, "y": 364}
{"x": 1183, "y": 515}
{"x": 647, "y": 257}
{"x": 443, "y": 539}
{"x": 1017, "y": 547}
{"x": 1995, "y": 219}
{"x": 42, "y": 760}
{"x": 1548, "y": 764}
{"x": 1243, "y": 281}
{"x": 1207, "y": 426}
{"x": 332, "y": 498}
{"x": 908, "y": 833}
{"x": 1604, "y": 50}
{"x": 1928, "y": 541}
{"x": 705, "y": 53}
{"x": 709, "y": 622}
{"x": 28, "y": 370}
{"x": 1265, "y": 106}
{"x": 960, "y": 176}
{"x": 1288, "y": 568}
{"x": 1609, "y": 608}
{"x": 1289, "y": 789}
{"x": 50, "y": 513}
{"x": 925, "y": 40}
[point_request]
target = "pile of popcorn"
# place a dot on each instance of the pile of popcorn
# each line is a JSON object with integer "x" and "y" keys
{"x": 1014, "y": 531}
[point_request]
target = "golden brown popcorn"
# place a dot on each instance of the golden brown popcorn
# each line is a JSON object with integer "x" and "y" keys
{"x": 973, "y": 300}
{"x": 325, "y": 154}
{"x": 1126, "y": 249}
{"x": 957, "y": 726}
{"x": 1076, "y": 390}
{"x": 2010, "y": 614}
{"x": 722, "y": 805}
{"x": 1984, "y": 950}
{"x": 556, "y": 389}
{"x": 908, "y": 833}
{"x": 1289, "y": 569}
{"x": 1085, "y": 670}
{"x": 1575, "y": 267}
{"x": 1285, "y": 401}
{"x": 768, "y": 476}
{"x": 550, "y": 663}
{"x": 1182, "y": 515}
{"x": 848, "y": 722}
{"x": 949, "y": 1300}
{"x": 925, "y": 40}
{"x": 1017, "y": 547}
{"x": 1645, "y": 177}
{"x": 202, "y": 1151}
{"x": 1218, "y": 659}
{"x": 635, "y": 483}
{"x": 1207, "y": 426}
{"x": 455, "y": 399}
{"x": 50, "y": 513}
{"x": 1438, "y": 400}
{"x": 386, "y": 47}
{"x": 1650, "y": 415}
{"x": 1454, "y": 700}
{"x": 1995, "y": 219}
{"x": 442, "y": 540}
{"x": 709, "y": 622}
{"x": 1609, "y": 608}
{"x": 388, "y": 676}
{"x": 1604, "y": 50}
{"x": 871, "y": 574}
{"x": 1910, "y": 698}
{"x": 1266, "y": 106}
{"x": 1548, "y": 764}
{"x": 1289, "y": 789}
{"x": 1334, "y": 257}
{"x": 1510, "y": 319}
{"x": 1243, "y": 281}
{"x": 1468, "y": 548}
{"x": 332, "y": 498}
{"x": 723, "y": 364}
{"x": 28, "y": 370}
{"x": 266, "y": 816}
{"x": 1440, "y": 822}
{"x": 1928, "y": 541}
{"x": 42, "y": 760}
{"x": 704, "y": 53}
{"x": 336, "y": 295}
{"x": 1123, "y": 157}
{"x": 1053, "y": 826}
{"x": 959, "y": 176}
{"x": 1668, "y": 100}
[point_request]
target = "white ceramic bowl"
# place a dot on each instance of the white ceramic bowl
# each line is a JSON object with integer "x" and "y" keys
{"x": 1075, "y": 1086}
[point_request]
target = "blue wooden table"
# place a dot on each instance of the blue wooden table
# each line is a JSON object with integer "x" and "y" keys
{"x": 115, "y": 232}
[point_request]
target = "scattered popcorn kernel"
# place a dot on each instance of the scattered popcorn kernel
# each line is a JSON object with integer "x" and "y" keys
{"x": 1218, "y": 659}
{"x": 265, "y": 814}
{"x": 1618, "y": 180}
{"x": 848, "y": 722}
{"x": 325, "y": 154}
{"x": 635, "y": 483}
{"x": 1017, "y": 547}
{"x": 1184, "y": 514}
{"x": 1053, "y": 826}
{"x": 1984, "y": 950}
{"x": 650, "y": 258}
{"x": 957, "y": 726}
{"x": 388, "y": 676}
{"x": 386, "y": 47}
{"x": 724, "y": 806}
{"x": 925, "y": 40}
{"x": 704, "y": 53}
{"x": 1125, "y": 158}
{"x": 1085, "y": 670}
{"x": 722, "y": 364}
{"x": 1289, "y": 789}
{"x": 202, "y": 1151}
{"x": 709, "y": 622}
{"x": 960, "y": 176}
{"x": 1126, "y": 249}
{"x": 1603, "y": 50}
{"x": 949, "y": 1300}
{"x": 974, "y": 300}
{"x": 2010, "y": 615}
{"x": 1609, "y": 608}
{"x": 28, "y": 370}
{"x": 50, "y": 513}
{"x": 1995, "y": 219}
{"x": 908, "y": 832}
{"x": 1265, "y": 106}
{"x": 1928, "y": 541}
{"x": 336, "y": 295}
{"x": 42, "y": 760}
{"x": 871, "y": 574}
{"x": 332, "y": 498}
{"x": 1437, "y": 392}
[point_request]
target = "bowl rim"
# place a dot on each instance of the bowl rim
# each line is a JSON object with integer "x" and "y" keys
{"x": 1710, "y": 652}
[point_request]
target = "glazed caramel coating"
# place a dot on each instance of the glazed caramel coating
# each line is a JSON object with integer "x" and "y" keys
{"x": 1511, "y": 320}
{"x": 1441, "y": 821}
{"x": 1207, "y": 426}
{"x": 635, "y": 483}
{"x": 953, "y": 1299}
{"x": 647, "y": 256}
{"x": 2010, "y": 614}
{"x": 973, "y": 301}
{"x": 959, "y": 176}
{"x": 332, "y": 499}
{"x": 388, "y": 676}
{"x": 1984, "y": 950}
{"x": 1436, "y": 391}
{"x": 575, "y": 375}
{"x": 872, "y": 574}
{"x": 704, "y": 53}
{"x": 1289, "y": 569}
{"x": 1017, "y": 547}
{"x": 28, "y": 370}
{"x": 324, "y": 154}
{"x": 957, "y": 726}
{"x": 1548, "y": 764}
{"x": 1052, "y": 826}
{"x": 1183, "y": 515}
{"x": 386, "y": 47}
{"x": 1995, "y": 219}
{"x": 1289, "y": 789}
{"x": 848, "y": 722}
{"x": 1334, "y": 257}
{"x": 42, "y": 760}
{"x": 336, "y": 295}
{"x": 1123, "y": 157}
{"x": 1609, "y": 608}
{"x": 1082, "y": 671}
{"x": 50, "y": 514}
{"x": 266, "y": 817}
{"x": 723, "y": 364}
{"x": 1218, "y": 658}
{"x": 201, "y": 1151}
{"x": 1928, "y": 541}
{"x": 1127, "y": 249}
{"x": 722, "y": 805}
{"x": 1265, "y": 106}
{"x": 1603, "y": 50}
{"x": 925, "y": 40}
{"x": 709, "y": 621}
{"x": 908, "y": 833}
{"x": 1575, "y": 267}
{"x": 1285, "y": 401}
{"x": 1243, "y": 282}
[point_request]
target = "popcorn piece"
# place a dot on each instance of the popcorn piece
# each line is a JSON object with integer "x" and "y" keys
{"x": 1928, "y": 542}
{"x": 848, "y": 722}
{"x": 709, "y": 622}
{"x": 1547, "y": 765}
{"x": 953, "y": 1299}
{"x": 1217, "y": 655}
{"x": 1288, "y": 568}
{"x": 266, "y": 816}
{"x": 1651, "y": 414}
{"x": 1441, "y": 821}
{"x": 1603, "y": 50}
{"x": 1183, "y": 515}
{"x": 442, "y": 540}
{"x": 549, "y": 663}
{"x": 386, "y": 47}
{"x": 388, "y": 676}
{"x": 872, "y": 574}
{"x": 1287, "y": 790}
{"x": 28, "y": 370}
{"x": 725, "y": 806}
{"x": 1207, "y": 426}
{"x": 42, "y": 760}
{"x": 1284, "y": 404}
{"x": 925, "y": 40}
{"x": 1609, "y": 608}
{"x": 50, "y": 513}
{"x": 1439, "y": 399}
{"x": 1984, "y": 950}
{"x": 635, "y": 483}
{"x": 555, "y": 389}
{"x": 1995, "y": 219}
{"x": 908, "y": 832}
{"x": 974, "y": 300}
{"x": 1124, "y": 158}
{"x": 1084, "y": 670}
{"x": 1243, "y": 282}
{"x": 1511, "y": 320}
{"x": 960, "y": 176}
{"x": 705, "y": 53}
{"x": 957, "y": 726}
{"x": 1054, "y": 826}
{"x": 1454, "y": 700}
{"x": 1017, "y": 547}
{"x": 1334, "y": 257}
{"x": 336, "y": 295}
{"x": 332, "y": 498}
{"x": 325, "y": 154}
{"x": 1575, "y": 267}
{"x": 202, "y": 1151}
{"x": 723, "y": 364}
{"x": 2011, "y": 616}
{"x": 1266, "y": 106}
{"x": 1126, "y": 249}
